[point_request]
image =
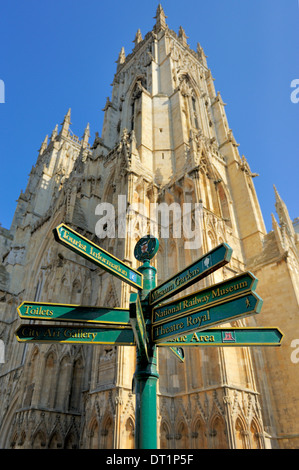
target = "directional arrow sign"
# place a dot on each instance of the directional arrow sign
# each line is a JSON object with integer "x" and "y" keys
{"x": 241, "y": 306}
{"x": 138, "y": 324}
{"x": 229, "y": 337}
{"x": 204, "y": 266}
{"x": 66, "y": 312}
{"x": 205, "y": 298}
{"x": 84, "y": 247}
{"x": 70, "y": 334}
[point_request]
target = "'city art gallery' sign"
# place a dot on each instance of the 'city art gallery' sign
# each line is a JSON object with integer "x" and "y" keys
{"x": 72, "y": 334}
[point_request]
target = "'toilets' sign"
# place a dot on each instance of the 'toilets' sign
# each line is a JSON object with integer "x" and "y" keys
{"x": 70, "y": 312}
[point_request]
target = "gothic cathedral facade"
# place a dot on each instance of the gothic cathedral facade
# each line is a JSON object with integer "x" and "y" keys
{"x": 165, "y": 138}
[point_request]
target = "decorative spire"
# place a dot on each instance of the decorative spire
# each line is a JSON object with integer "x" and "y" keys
{"x": 160, "y": 19}
{"x": 283, "y": 213}
{"x": 67, "y": 117}
{"x": 85, "y": 136}
{"x": 54, "y": 133}
{"x": 66, "y": 124}
{"x": 121, "y": 58}
{"x": 201, "y": 55}
{"x": 44, "y": 145}
{"x": 138, "y": 38}
{"x": 278, "y": 235}
{"x": 182, "y": 36}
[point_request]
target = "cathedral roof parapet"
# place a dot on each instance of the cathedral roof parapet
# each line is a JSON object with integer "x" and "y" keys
{"x": 185, "y": 47}
{"x": 123, "y": 60}
{"x": 162, "y": 28}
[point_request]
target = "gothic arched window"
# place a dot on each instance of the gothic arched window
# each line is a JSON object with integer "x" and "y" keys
{"x": 76, "y": 385}
{"x": 199, "y": 435}
{"x": 241, "y": 435}
{"x": 218, "y": 434}
{"x": 194, "y": 112}
{"x": 132, "y": 114}
{"x": 224, "y": 204}
{"x": 130, "y": 431}
{"x": 191, "y": 101}
{"x": 164, "y": 436}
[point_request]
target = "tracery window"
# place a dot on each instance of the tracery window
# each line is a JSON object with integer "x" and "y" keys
{"x": 194, "y": 113}
{"x": 191, "y": 101}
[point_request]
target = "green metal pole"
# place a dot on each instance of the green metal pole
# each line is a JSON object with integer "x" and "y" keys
{"x": 146, "y": 375}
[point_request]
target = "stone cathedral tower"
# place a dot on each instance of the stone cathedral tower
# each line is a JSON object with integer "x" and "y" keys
{"x": 165, "y": 138}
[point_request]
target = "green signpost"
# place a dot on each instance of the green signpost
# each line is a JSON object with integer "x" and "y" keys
{"x": 148, "y": 324}
{"x": 138, "y": 324}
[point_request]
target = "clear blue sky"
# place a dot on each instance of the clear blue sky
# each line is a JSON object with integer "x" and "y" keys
{"x": 61, "y": 54}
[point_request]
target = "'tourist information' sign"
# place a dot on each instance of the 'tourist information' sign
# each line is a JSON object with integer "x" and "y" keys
{"x": 84, "y": 247}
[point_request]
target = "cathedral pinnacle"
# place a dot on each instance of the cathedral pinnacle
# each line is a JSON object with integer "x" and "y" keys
{"x": 138, "y": 38}
{"x": 160, "y": 19}
{"x": 67, "y": 117}
{"x": 85, "y": 136}
{"x": 66, "y": 123}
{"x": 283, "y": 213}
{"x": 54, "y": 133}
{"x": 121, "y": 57}
{"x": 44, "y": 145}
{"x": 182, "y": 36}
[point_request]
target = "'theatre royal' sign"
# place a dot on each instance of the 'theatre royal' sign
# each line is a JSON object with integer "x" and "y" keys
{"x": 242, "y": 306}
